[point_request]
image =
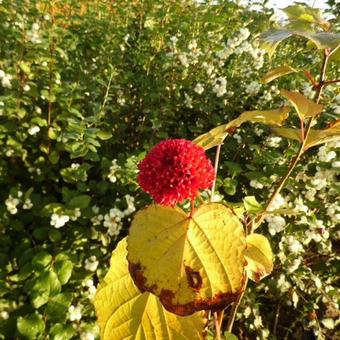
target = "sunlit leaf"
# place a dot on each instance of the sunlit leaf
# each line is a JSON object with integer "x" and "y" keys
{"x": 252, "y": 205}
{"x": 217, "y": 135}
{"x": 125, "y": 313}
{"x": 277, "y": 72}
{"x": 305, "y": 107}
{"x": 317, "y": 137}
{"x": 259, "y": 257}
{"x": 191, "y": 262}
{"x": 302, "y": 16}
{"x": 288, "y": 133}
{"x": 271, "y": 39}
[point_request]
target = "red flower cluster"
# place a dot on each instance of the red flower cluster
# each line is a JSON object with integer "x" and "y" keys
{"x": 175, "y": 170}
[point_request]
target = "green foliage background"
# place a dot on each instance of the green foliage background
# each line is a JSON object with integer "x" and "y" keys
{"x": 91, "y": 86}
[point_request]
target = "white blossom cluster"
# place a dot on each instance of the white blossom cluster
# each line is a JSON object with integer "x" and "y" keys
{"x": 34, "y": 34}
{"x": 12, "y": 203}
{"x": 5, "y": 79}
{"x": 112, "y": 176}
{"x": 113, "y": 219}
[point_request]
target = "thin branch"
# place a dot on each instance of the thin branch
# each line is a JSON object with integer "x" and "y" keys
{"x": 217, "y": 159}
{"x": 217, "y": 327}
{"x": 236, "y": 304}
{"x": 301, "y": 150}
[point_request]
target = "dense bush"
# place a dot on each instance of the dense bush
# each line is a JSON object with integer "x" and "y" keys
{"x": 86, "y": 89}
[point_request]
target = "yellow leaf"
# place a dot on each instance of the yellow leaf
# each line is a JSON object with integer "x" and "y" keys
{"x": 304, "y": 106}
{"x": 317, "y": 137}
{"x": 288, "y": 133}
{"x": 191, "y": 262}
{"x": 125, "y": 313}
{"x": 217, "y": 135}
{"x": 277, "y": 72}
{"x": 259, "y": 257}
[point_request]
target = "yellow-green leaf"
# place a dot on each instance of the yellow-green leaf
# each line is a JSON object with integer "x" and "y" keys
{"x": 288, "y": 133}
{"x": 277, "y": 72}
{"x": 125, "y": 313}
{"x": 304, "y": 106}
{"x": 217, "y": 135}
{"x": 191, "y": 262}
{"x": 259, "y": 257}
{"x": 317, "y": 137}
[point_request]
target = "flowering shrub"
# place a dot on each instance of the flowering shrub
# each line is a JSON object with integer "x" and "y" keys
{"x": 86, "y": 89}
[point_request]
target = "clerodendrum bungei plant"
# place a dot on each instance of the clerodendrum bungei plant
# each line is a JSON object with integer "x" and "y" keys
{"x": 187, "y": 258}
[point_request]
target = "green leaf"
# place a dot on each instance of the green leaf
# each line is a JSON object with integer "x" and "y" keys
{"x": 62, "y": 332}
{"x": 303, "y": 106}
{"x": 217, "y": 135}
{"x": 127, "y": 313}
{"x": 252, "y": 205}
{"x": 41, "y": 260}
{"x": 104, "y": 135}
{"x": 229, "y": 336}
{"x": 190, "y": 262}
{"x": 81, "y": 201}
{"x": 259, "y": 257}
{"x": 301, "y": 17}
{"x": 25, "y": 67}
{"x": 31, "y": 325}
{"x": 63, "y": 270}
{"x": 57, "y": 306}
{"x": 277, "y": 72}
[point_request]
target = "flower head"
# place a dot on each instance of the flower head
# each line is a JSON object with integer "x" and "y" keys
{"x": 175, "y": 170}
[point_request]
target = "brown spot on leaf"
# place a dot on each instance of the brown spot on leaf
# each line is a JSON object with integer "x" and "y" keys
{"x": 136, "y": 273}
{"x": 194, "y": 278}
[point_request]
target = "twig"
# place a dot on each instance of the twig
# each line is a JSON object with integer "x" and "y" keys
{"x": 217, "y": 327}
{"x": 301, "y": 150}
{"x": 217, "y": 159}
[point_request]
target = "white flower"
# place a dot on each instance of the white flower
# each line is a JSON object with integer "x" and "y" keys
{"x": 75, "y": 166}
{"x": 283, "y": 284}
{"x": 257, "y": 321}
{"x": 244, "y": 34}
{"x": 299, "y": 205}
{"x": 294, "y": 266}
{"x": 220, "y": 86}
{"x": 199, "y": 88}
{"x": 33, "y": 130}
{"x": 96, "y": 220}
{"x": 277, "y": 203}
{"x": 275, "y": 224}
{"x": 273, "y": 141}
{"x": 27, "y": 204}
{"x": 325, "y": 155}
{"x": 112, "y": 221}
{"x": 87, "y": 336}
{"x": 336, "y": 164}
{"x": 112, "y": 174}
{"x": 2, "y": 74}
{"x": 76, "y": 214}
{"x": 188, "y": 101}
{"x": 255, "y": 184}
{"x": 91, "y": 264}
{"x": 192, "y": 45}
{"x": 74, "y": 313}
{"x": 11, "y": 204}
{"x": 4, "y": 315}
{"x": 174, "y": 39}
{"x": 6, "y": 81}
{"x": 253, "y": 88}
{"x": 183, "y": 59}
{"x": 294, "y": 245}
{"x": 59, "y": 220}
